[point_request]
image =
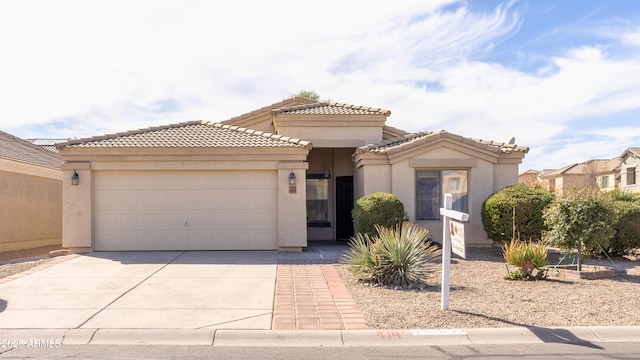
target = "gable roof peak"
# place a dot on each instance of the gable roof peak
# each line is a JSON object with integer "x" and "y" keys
{"x": 398, "y": 143}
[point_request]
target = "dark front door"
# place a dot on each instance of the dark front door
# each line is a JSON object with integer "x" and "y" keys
{"x": 344, "y": 205}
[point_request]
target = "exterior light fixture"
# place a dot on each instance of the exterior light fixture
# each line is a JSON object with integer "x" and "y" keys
{"x": 75, "y": 178}
{"x": 327, "y": 174}
{"x": 292, "y": 179}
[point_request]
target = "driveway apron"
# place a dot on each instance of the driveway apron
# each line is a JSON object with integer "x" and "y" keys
{"x": 173, "y": 289}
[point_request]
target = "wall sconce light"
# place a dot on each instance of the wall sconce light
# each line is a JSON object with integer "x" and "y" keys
{"x": 292, "y": 179}
{"x": 75, "y": 178}
{"x": 326, "y": 174}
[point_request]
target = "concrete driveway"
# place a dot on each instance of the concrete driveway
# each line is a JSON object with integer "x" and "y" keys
{"x": 144, "y": 290}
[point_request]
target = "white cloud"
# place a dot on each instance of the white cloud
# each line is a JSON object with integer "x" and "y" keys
{"x": 79, "y": 68}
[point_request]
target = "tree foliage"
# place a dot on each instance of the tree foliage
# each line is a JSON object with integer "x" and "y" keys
{"x": 580, "y": 220}
{"x": 308, "y": 94}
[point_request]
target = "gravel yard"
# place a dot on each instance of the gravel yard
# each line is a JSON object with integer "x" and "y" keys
{"x": 479, "y": 297}
{"x": 13, "y": 262}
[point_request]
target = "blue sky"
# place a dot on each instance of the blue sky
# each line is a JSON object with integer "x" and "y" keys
{"x": 562, "y": 77}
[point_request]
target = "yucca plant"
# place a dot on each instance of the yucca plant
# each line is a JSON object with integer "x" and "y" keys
{"x": 398, "y": 256}
{"x": 527, "y": 256}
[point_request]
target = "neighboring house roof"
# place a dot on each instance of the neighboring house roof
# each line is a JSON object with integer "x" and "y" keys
{"x": 16, "y": 149}
{"x": 412, "y": 140}
{"x": 530, "y": 171}
{"x": 634, "y": 151}
{"x": 594, "y": 166}
{"x": 331, "y": 108}
{"x": 47, "y": 144}
{"x": 188, "y": 134}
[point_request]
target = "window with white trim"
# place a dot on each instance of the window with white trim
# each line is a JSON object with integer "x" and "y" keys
{"x": 431, "y": 185}
{"x": 631, "y": 175}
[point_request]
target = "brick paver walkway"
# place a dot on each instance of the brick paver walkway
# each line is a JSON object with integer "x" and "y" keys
{"x": 313, "y": 297}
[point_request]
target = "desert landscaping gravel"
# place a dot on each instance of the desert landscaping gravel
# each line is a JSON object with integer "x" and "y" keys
{"x": 17, "y": 261}
{"x": 481, "y": 298}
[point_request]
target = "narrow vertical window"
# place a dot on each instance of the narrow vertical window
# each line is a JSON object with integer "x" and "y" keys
{"x": 318, "y": 203}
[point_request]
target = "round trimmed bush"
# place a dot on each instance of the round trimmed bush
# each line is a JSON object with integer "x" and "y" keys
{"x": 626, "y": 229}
{"x": 529, "y": 202}
{"x": 377, "y": 208}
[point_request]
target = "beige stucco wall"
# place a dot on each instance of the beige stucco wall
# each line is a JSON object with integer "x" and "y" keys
{"x": 481, "y": 184}
{"x": 292, "y": 207}
{"x": 77, "y": 224}
{"x": 31, "y": 211}
{"x": 487, "y": 173}
{"x": 334, "y": 137}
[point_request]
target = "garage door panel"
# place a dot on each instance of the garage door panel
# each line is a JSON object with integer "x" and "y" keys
{"x": 264, "y": 199}
{"x": 188, "y": 210}
{"x": 175, "y": 199}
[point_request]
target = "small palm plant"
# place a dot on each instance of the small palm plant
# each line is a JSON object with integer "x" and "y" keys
{"x": 399, "y": 256}
{"x": 527, "y": 256}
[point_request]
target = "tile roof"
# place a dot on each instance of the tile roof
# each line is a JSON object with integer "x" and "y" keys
{"x": 413, "y": 139}
{"x": 597, "y": 166}
{"x": 47, "y": 144}
{"x": 16, "y": 149}
{"x": 634, "y": 151}
{"x": 250, "y": 116}
{"x": 201, "y": 134}
{"x": 331, "y": 108}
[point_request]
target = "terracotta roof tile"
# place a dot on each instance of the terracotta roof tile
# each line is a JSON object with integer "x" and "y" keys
{"x": 16, "y": 149}
{"x": 634, "y": 151}
{"x": 297, "y": 100}
{"x": 331, "y": 108}
{"x": 594, "y": 166}
{"x": 421, "y": 137}
{"x": 189, "y": 134}
{"x": 47, "y": 144}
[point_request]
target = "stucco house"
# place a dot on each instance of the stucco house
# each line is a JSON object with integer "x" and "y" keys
{"x": 630, "y": 169}
{"x": 274, "y": 178}
{"x": 31, "y": 195}
{"x": 595, "y": 173}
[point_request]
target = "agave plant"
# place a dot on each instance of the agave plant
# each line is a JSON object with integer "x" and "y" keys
{"x": 395, "y": 256}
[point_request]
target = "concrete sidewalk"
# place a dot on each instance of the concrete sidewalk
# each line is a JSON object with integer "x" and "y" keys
{"x": 321, "y": 338}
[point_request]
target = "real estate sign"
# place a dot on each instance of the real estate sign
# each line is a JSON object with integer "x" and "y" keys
{"x": 456, "y": 229}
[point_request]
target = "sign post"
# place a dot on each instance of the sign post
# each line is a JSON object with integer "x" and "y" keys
{"x": 448, "y": 215}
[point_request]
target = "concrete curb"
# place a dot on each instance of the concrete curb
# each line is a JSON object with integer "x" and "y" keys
{"x": 319, "y": 338}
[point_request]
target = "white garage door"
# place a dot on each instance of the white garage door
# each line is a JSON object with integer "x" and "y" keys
{"x": 185, "y": 210}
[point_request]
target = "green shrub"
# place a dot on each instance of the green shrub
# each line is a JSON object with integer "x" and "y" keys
{"x": 398, "y": 256}
{"x": 580, "y": 220}
{"x": 527, "y": 256}
{"x": 498, "y": 216}
{"x": 377, "y": 208}
{"x": 626, "y": 229}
